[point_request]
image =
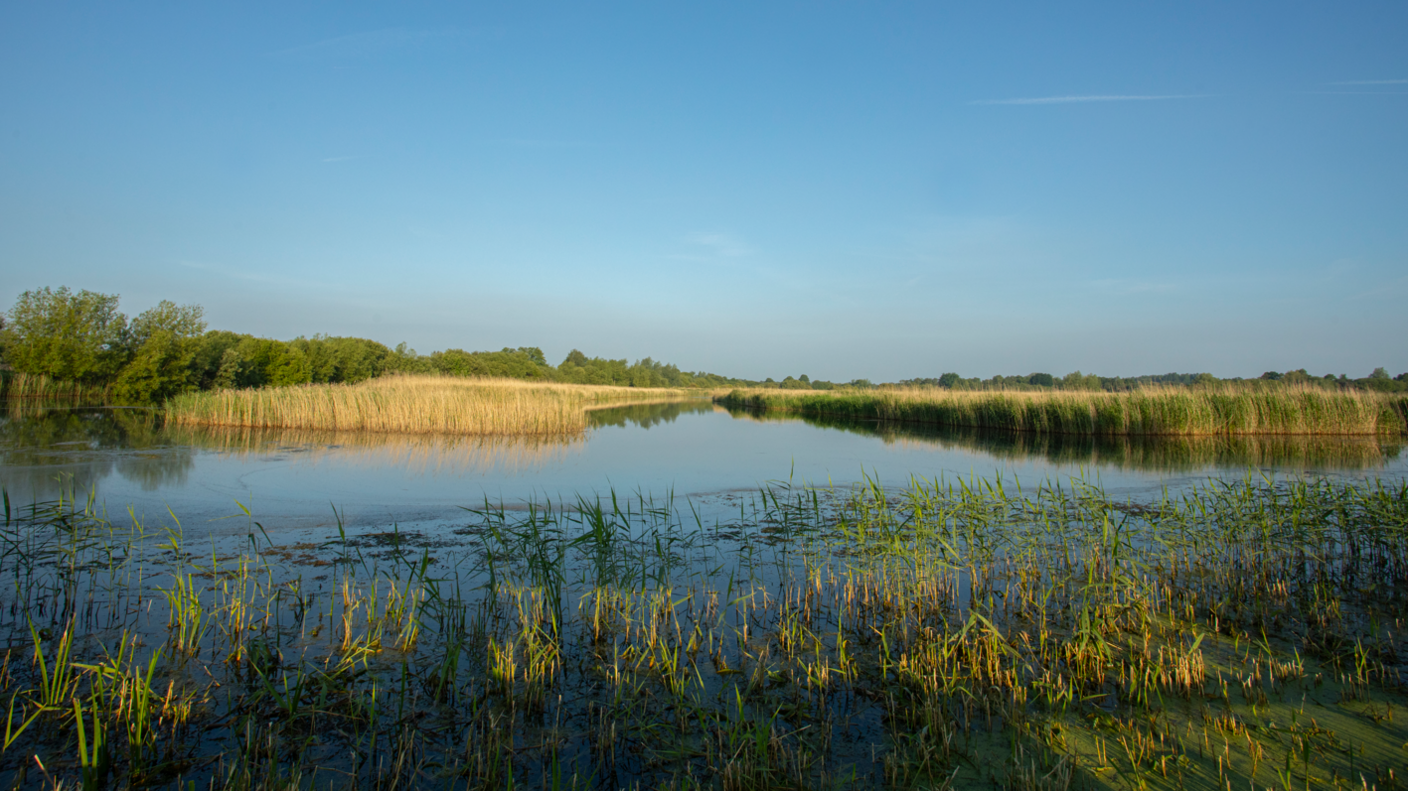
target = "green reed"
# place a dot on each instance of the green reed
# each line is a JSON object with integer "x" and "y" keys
{"x": 1213, "y": 411}
{"x": 943, "y": 634}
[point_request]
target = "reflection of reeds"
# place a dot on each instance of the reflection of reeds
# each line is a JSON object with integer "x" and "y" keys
{"x": 1138, "y": 452}
{"x": 418, "y": 453}
{"x": 1154, "y": 411}
{"x": 411, "y": 404}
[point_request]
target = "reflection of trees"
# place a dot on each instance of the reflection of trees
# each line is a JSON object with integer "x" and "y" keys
{"x": 647, "y": 415}
{"x": 438, "y": 453}
{"x": 1126, "y": 452}
{"x": 52, "y": 449}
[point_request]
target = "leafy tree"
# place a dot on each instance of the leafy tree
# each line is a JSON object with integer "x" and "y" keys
{"x": 949, "y": 380}
{"x": 1379, "y": 373}
{"x": 76, "y": 337}
{"x": 1042, "y": 380}
{"x": 160, "y": 369}
{"x": 163, "y": 342}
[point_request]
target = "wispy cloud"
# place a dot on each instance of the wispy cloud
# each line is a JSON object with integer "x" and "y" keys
{"x": 242, "y": 273}
{"x": 362, "y": 44}
{"x": 1126, "y": 287}
{"x": 238, "y": 274}
{"x": 716, "y": 247}
{"x": 1094, "y": 98}
{"x": 1370, "y": 82}
{"x": 531, "y": 142}
{"x": 721, "y": 244}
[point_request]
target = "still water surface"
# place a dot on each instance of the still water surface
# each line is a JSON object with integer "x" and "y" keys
{"x": 697, "y": 452}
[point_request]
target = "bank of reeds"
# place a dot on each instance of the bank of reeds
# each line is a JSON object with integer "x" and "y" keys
{"x": 14, "y": 384}
{"x": 412, "y": 404}
{"x": 1122, "y": 451}
{"x": 1155, "y": 411}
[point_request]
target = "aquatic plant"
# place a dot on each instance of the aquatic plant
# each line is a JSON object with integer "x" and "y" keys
{"x": 947, "y": 634}
{"x": 412, "y": 404}
{"x": 1204, "y": 411}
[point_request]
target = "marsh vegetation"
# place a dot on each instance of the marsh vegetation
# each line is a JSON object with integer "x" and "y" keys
{"x": 412, "y": 404}
{"x": 950, "y": 634}
{"x": 1204, "y": 411}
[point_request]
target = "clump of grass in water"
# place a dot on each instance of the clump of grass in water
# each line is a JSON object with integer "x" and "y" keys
{"x": 1226, "y": 410}
{"x": 412, "y": 404}
{"x": 942, "y": 635}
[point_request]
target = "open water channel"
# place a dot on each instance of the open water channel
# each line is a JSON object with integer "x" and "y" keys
{"x": 703, "y": 456}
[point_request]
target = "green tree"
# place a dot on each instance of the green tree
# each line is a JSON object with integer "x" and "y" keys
{"x": 163, "y": 342}
{"x": 76, "y": 337}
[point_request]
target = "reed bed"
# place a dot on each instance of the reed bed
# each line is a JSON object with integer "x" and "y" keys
{"x": 1156, "y": 411}
{"x": 1130, "y": 452}
{"x": 412, "y": 404}
{"x": 14, "y": 385}
{"x": 952, "y": 634}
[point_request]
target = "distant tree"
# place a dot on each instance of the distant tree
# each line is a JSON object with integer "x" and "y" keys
{"x": 532, "y": 352}
{"x": 1273, "y": 376}
{"x": 1042, "y": 380}
{"x": 804, "y": 378}
{"x": 1075, "y": 380}
{"x": 76, "y": 337}
{"x": 1205, "y": 379}
{"x": 1379, "y": 373}
{"x": 949, "y": 380}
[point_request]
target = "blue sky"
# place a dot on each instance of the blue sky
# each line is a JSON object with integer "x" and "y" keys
{"x": 878, "y": 190}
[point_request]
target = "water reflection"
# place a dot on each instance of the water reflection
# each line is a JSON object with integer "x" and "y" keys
{"x": 430, "y": 454}
{"x": 1152, "y": 454}
{"x": 647, "y": 415}
{"x": 48, "y": 450}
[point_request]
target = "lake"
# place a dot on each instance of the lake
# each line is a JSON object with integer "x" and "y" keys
{"x": 693, "y": 627}
{"x": 694, "y": 451}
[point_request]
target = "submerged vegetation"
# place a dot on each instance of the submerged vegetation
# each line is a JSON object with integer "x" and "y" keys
{"x": 1206, "y": 411}
{"x": 948, "y": 635}
{"x": 411, "y": 404}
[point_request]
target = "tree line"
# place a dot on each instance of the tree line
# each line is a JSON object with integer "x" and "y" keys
{"x": 83, "y": 339}
{"x": 1379, "y": 380}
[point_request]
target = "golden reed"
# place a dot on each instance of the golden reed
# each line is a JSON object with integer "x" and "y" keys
{"x": 413, "y": 404}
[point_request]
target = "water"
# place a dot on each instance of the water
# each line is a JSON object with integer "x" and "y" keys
{"x": 696, "y": 452}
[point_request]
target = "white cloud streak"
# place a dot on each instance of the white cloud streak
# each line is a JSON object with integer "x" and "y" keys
{"x": 1093, "y": 98}
{"x": 361, "y": 44}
